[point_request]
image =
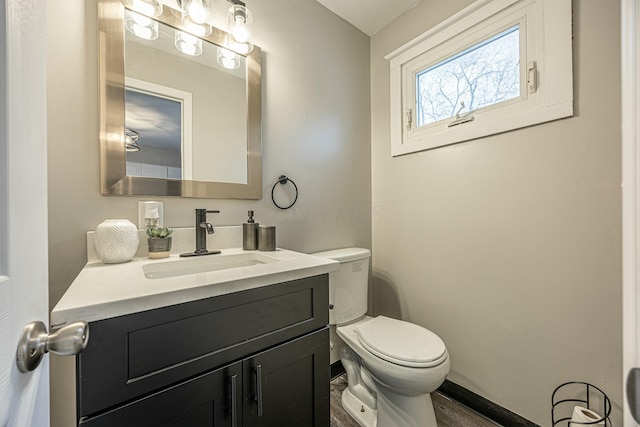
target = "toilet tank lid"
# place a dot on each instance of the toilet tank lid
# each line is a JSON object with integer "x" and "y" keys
{"x": 345, "y": 254}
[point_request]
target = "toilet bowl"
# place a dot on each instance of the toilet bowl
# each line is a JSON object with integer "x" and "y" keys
{"x": 392, "y": 366}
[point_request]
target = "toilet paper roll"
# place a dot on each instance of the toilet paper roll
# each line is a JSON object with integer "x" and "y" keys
{"x": 582, "y": 415}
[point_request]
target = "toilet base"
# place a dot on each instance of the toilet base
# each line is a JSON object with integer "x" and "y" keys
{"x": 354, "y": 407}
{"x": 397, "y": 411}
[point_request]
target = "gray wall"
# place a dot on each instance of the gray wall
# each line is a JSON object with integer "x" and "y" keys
{"x": 509, "y": 247}
{"x": 316, "y": 130}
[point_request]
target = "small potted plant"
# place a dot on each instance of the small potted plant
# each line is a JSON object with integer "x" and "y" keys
{"x": 159, "y": 241}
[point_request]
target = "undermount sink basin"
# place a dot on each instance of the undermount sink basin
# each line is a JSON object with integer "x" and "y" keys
{"x": 204, "y": 264}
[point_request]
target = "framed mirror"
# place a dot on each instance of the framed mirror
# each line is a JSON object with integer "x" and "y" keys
{"x": 173, "y": 124}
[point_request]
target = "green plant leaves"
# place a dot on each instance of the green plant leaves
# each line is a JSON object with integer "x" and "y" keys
{"x": 159, "y": 232}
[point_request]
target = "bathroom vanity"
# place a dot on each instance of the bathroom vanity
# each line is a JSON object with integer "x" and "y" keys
{"x": 237, "y": 339}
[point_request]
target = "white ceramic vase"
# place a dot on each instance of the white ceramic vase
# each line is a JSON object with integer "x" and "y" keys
{"x": 115, "y": 241}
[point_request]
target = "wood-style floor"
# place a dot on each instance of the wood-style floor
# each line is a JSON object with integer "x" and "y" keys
{"x": 449, "y": 413}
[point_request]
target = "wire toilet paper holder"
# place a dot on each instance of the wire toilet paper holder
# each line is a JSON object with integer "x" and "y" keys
{"x": 590, "y": 396}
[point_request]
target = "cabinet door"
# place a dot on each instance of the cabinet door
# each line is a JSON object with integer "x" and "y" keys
{"x": 288, "y": 385}
{"x": 138, "y": 354}
{"x": 212, "y": 399}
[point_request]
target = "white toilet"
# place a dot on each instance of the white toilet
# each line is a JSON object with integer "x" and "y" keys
{"x": 392, "y": 366}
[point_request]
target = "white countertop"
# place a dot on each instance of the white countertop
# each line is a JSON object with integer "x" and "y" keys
{"x": 102, "y": 291}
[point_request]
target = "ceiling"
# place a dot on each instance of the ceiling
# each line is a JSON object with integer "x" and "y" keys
{"x": 369, "y": 16}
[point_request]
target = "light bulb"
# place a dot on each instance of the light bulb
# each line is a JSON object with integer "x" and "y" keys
{"x": 188, "y": 44}
{"x": 228, "y": 59}
{"x": 142, "y": 26}
{"x": 197, "y": 12}
{"x": 200, "y": 30}
{"x": 143, "y": 32}
{"x": 241, "y": 48}
{"x": 239, "y": 36}
{"x": 239, "y": 30}
{"x": 141, "y": 20}
{"x": 189, "y": 39}
{"x": 226, "y": 53}
{"x": 189, "y": 49}
{"x": 147, "y": 7}
{"x": 229, "y": 63}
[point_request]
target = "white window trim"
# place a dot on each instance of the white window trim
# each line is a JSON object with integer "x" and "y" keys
{"x": 549, "y": 44}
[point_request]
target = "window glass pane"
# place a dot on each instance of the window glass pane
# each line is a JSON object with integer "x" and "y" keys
{"x": 482, "y": 75}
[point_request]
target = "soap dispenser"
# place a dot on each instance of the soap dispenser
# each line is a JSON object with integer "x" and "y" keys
{"x": 250, "y": 234}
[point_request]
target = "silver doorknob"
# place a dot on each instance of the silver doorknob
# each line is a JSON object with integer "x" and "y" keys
{"x": 35, "y": 342}
{"x": 633, "y": 393}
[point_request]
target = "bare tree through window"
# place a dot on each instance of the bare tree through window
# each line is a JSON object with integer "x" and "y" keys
{"x": 485, "y": 74}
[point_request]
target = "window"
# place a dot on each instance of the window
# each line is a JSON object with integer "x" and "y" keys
{"x": 485, "y": 74}
{"x": 495, "y": 66}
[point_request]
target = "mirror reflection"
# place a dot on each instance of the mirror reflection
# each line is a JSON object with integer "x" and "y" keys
{"x": 159, "y": 120}
{"x": 186, "y": 100}
{"x": 184, "y": 119}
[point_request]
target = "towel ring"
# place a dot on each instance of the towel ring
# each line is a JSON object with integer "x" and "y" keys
{"x": 283, "y": 180}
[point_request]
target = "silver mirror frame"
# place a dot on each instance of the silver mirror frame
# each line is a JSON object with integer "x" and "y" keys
{"x": 113, "y": 176}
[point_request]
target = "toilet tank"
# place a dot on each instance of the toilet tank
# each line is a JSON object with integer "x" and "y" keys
{"x": 348, "y": 287}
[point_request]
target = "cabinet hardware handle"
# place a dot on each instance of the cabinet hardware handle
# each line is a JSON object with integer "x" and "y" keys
{"x": 259, "y": 389}
{"x": 234, "y": 414}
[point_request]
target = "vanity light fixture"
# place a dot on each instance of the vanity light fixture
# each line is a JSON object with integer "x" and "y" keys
{"x": 228, "y": 59}
{"x": 131, "y": 140}
{"x": 195, "y": 16}
{"x": 239, "y": 35}
{"x": 188, "y": 43}
{"x": 141, "y": 25}
{"x": 147, "y": 7}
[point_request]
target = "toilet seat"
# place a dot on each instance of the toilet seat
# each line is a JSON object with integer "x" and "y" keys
{"x": 402, "y": 343}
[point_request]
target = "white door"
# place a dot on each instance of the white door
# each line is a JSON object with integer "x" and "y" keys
{"x": 631, "y": 209}
{"x": 24, "y": 398}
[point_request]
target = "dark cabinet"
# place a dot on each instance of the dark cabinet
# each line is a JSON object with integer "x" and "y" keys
{"x": 253, "y": 358}
{"x": 212, "y": 399}
{"x": 288, "y": 386}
